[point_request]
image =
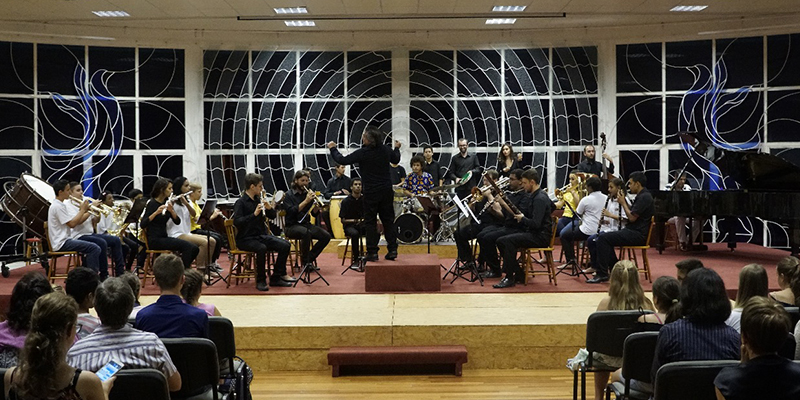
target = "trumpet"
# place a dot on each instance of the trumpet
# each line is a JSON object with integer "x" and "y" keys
{"x": 317, "y": 202}
{"x": 580, "y": 188}
{"x": 94, "y": 209}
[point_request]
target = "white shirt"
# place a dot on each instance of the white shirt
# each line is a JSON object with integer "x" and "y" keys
{"x": 613, "y": 224}
{"x": 86, "y": 228}
{"x": 686, "y": 187}
{"x": 590, "y": 209}
{"x": 185, "y": 227}
{"x": 106, "y": 224}
{"x": 57, "y": 229}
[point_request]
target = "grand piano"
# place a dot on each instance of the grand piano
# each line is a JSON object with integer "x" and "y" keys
{"x": 768, "y": 188}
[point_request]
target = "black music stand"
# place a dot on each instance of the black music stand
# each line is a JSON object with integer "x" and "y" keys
{"x": 133, "y": 218}
{"x": 459, "y": 269}
{"x": 308, "y": 268}
{"x": 204, "y": 220}
{"x": 576, "y": 269}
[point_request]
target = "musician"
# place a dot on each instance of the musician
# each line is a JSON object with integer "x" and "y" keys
{"x": 507, "y": 160}
{"x": 397, "y": 173}
{"x": 85, "y": 231}
{"x": 339, "y": 184}
{"x": 611, "y": 220}
{"x": 461, "y": 163}
{"x": 183, "y": 228}
{"x": 432, "y": 166}
{"x": 590, "y": 209}
{"x": 589, "y": 165}
{"x": 158, "y": 211}
{"x": 536, "y": 227}
{"x": 418, "y": 181}
{"x": 216, "y": 240}
{"x": 250, "y": 215}
{"x": 60, "y": 222}
{"x": 488, "y": 212}
{"x": 300, "y": 207}
{"x": 352, "y": 215}
{"x": 634, "y": 233}
{"x": 373, "y": 158}
{"x": 568, "y": 201}
{"x": 131, "y": 249}
{"x": 680, "y": 222}
{"x": 487, "y": 237}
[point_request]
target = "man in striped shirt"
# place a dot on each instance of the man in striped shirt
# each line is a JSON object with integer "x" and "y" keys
{"x": 116, "y": 340}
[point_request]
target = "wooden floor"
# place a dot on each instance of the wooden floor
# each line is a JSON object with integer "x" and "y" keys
{"x": 474, "y": 384}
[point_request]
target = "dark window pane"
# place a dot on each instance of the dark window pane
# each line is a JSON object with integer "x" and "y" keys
{"x": 161, "y": 125}
{"x": 527, "y": 122}
{"x": 225, "y": 74}
{"x": 575, "y": 121}
{"x": 740, "y": 62}
{"x": 113, "y": 70}
{"x": 432, "y": 123}
{"x": 277, "y": 170}
{"x": 274, "y": 124}
{"x": 154, "y": 167}
{"x": 55, "y": 167}
{"x": 478, "y": 72}
{"x": 783, "y": 120}
{"x": 431, "y": 73}
{"x": 274, "y": 74}
{"x": 60, "y": 69}
{"x": 566, "y": 161}
{"x": 685, "y": 114}
{"x": 161, "y": 73}
{"x": 322, "y": 74}
{"x": 639, "y": 67}
{"x": 16, "y": 125}
{"x": 688, "y": 64}
{"x": 321, "y": 122}
{"x": 479, "y": 121}
{"x": 114, "y": 124}
{"x": 63, "y": 125}
{"x": 369, "y": 74}
{"x": 16, "y": 68}
{"x": 226, "y": 175}
{"x": 639, "y": 120}
{"x": 575, "y": 70}
{"x": 320, "y": 166}
{"x": 783, "y": 60}
{"x": 646, "y": 161}
{"x": 226, "y": 124}
{"x": 363, "y": 113}
{"x": 527, "y": 72}
{"x": 112, "y": 173}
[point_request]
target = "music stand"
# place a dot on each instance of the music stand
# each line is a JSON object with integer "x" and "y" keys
{"x": 133, "y": 218}
{"x": 204, "y": 220}
{"x": 576, "y": 269}
{"x": 457, "y": 269}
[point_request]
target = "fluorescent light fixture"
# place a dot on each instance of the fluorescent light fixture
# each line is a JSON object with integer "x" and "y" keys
{"x": 688, "y": 8}
{"x": 291, "y": 10}
{"x": 500, "y": 21}
{"x": 299, "y": 23}
{"x": 509, "y": 8}
{"x": 114, "y": 14}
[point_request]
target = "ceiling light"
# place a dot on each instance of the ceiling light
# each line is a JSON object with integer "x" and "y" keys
{"x": 509, "y": 8}
{"x": 291, "y": 10}
{"x": 500, "y": 21}
{"x": 299, "y": 23}
{"x": 688, "y": 8}
{"x": 111, "y": 13}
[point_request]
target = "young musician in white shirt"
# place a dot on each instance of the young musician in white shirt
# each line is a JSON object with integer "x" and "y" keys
{"x": 60, "y": 222}
{"x": 85, "y": 231}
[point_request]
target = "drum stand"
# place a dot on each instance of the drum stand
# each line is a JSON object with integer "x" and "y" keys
{"x": 4, "y": 270}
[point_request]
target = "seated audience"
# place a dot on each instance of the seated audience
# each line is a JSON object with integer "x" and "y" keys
{"x": 763, "y": 374}
{"x": 80, "y": 285}
{"x": 43, "y": 372}
{"x": 666, "y": 294}
{"x": 14, "y": 329}
{"x": 624, "y": 293}
{"x": 191, "y": 290}
{"x": 753, "y": 282}
{"x": 686, "y": 266}
{"x": 169, "y": 316}
{"x": 116, "y": 340}
{"x": 133, "y": 281}
{"x": 788, "y": 270}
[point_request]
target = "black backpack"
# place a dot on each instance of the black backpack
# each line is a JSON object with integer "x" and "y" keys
{"x": 237, "y": 384}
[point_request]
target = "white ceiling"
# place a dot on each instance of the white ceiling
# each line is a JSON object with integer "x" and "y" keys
{"x": 398, "y": 23}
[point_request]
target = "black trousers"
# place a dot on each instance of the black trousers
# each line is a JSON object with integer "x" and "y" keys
{"x": 354, "y": 232}
{"x": 510, "y": 244}
{"x": 137, "y": 251}
{"x": 188, "y": 250}
{"x": 307, "y": 232}
{"x": 487, "y": 238}
{"x": 379, "y": 204}
{"x": 607, "y": 241}
{"x": 217, "y": 237}
{"x": 261, "y": 245}
{"x": 463, "y": 235}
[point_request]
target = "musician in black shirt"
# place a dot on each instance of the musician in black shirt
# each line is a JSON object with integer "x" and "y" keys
{"x": 339, "y": 184}
{"x": 432, "y": 166}
{"x": 460, "y": 164}
{"x": 633, "y": 234}
{"x": 250, "y": 215}
{"x": 300, "y": 206}
{"x": 487, "y": 238}
{"x": 373, "y": 159}
{"x": 397, "y": 173}
{"x": 352, "y": 215}
{"x": 593, "y": 167}
{"x": 536, "y": 230}
{"x": 154, "y": 219}
{"x": 489, "y": 214}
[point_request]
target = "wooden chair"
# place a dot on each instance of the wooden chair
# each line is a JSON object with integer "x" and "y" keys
{"x": 241, "y": 269}
{"x": 149, "y": 259}
{"x": 630, "y": 251}
{"x": 73, "y": 259}
{"x": 550, "y": 269}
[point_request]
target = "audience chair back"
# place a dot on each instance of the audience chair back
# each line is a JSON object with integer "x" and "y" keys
{"x": 137, "y": 384}
{"x": 197, "y": 362}
{"x": 220, "y": 331}
{"x": 637, "y": 360}
{"x": 788, "y": 348}
{"x": 794, "y": 314}
{"x": 3, "y": 381}
{"x": 689, "y": 380}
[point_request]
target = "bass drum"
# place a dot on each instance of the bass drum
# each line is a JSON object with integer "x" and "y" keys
{"x": 409, "y": 228}
{"x": 28, "y": 201}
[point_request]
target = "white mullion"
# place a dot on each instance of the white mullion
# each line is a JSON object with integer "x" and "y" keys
{"x": 36, "y": 157}
{"x": 455, "y": 100}
{"x": 552, "y": 168}
{"x": 664, "y": 151}
{"x": 250, "y": 150}
{"x": 298, "y": 158}
{"x": 765, "y": 141}
{"x": 345, "y": 98}
{"x": 502, "y": 98}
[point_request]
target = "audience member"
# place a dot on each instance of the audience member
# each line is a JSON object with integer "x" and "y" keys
{"x": 133, "y": 281}
{"x": 666, "y": 294}
{"x": 14, "y": 329}
{"x": 753, "y": 282}
{"x": 763, "y": 374}
{"x": 624, "y": 293}
{"x": 191, "y": 290}
{"x": 686, "y": 266}
{"x": 43, "y": 372}
{"x": 80, "y": 285}
{"x": 169, "y": 316}
{"x": 788, "y": 269}
{"x": 116, "y": 340}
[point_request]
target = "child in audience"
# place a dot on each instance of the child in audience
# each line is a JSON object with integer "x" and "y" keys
{"x": 133, "y": 281}
{"x": 788, "y": 270}
{"x": 686, "y": 266}
{"x": 666, "y": 293}
{"x": 80, "y": 285}
{"x": 753, "y": 282}
{"x": 624, "y": 293}
{"x": 14, "y": 329}
{"x": 191, "y": 290}
{"x": 763, "y": 374}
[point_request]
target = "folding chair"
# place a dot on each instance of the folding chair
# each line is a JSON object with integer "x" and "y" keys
{"x": 196, "y": 361}
{"x": 637, "y": 360}
{"x": 136, "y": 384}
{"x": 689, "y": 380}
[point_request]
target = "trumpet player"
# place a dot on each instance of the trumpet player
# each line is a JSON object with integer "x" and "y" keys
{"x": 60, "y": 221}
{"x": 568, "y": 199}
{"x": 85, "y": 231}
{"x": 301, "y": 204}
{"x": 130, "y": 247}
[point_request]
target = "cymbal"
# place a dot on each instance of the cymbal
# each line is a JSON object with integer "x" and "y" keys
{"x": 444, "y": 187}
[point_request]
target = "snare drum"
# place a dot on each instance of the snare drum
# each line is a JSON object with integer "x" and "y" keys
{"x": 409, "y": 228}
{"x": 29, "y": 200}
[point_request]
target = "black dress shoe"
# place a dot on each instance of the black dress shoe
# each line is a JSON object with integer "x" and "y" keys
{"x": 262, "y": 286}
{"x": 505, "y": 282}
{"x": 280, "y": 283}
{"x": 520, "y": 278}
{"x": 491, "y": 274}
{"x": 289, "y": 279}
{"x": 391, "y": 256}
{"x": 371, "y": 257}
{"x": 356, "y": 266}
{"x": 598, "y": 279}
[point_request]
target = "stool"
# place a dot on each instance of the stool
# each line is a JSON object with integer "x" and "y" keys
{"x": 33, "y": 246}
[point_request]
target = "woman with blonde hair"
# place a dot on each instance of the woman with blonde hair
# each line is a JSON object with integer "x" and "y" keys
{"x": 753, "y": 281}
{"x": 788, "y": 270}
{"x": 43, "y": 372}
